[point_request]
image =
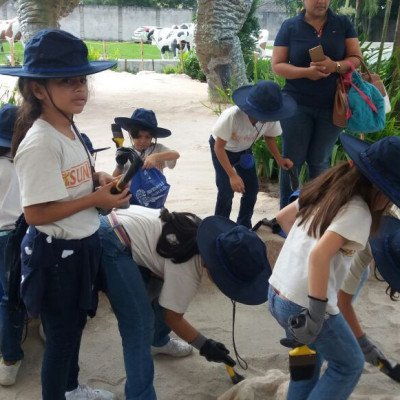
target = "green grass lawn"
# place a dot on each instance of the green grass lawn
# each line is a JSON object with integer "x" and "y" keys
{"x": 114, "y": 50}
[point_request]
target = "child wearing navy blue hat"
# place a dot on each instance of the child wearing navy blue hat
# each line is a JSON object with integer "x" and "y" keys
{"x": 11, "y": 321}
{"x": 256, "y": 114}
{"x": 60, "y": 252}
{"x": 331, "y": 220}
{"x": 143, "y": 128}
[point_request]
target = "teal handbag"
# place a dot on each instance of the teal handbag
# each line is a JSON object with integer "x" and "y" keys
{"x": 366, "y": 105}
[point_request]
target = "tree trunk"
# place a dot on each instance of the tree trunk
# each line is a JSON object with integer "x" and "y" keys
{"x": 396, "y": 71}
{"x": 217, "y": 44}
{"x": 384, "y": 33}
{"x": 42, "y": 14}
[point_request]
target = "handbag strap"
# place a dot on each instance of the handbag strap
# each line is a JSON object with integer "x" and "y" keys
{"x": 364, "y": 66}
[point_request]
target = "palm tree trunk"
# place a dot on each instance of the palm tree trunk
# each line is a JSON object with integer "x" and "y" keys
{"x": 217, "y": 44}
{"x": 42, "y": 14}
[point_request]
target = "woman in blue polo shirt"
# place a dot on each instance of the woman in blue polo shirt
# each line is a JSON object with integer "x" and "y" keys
{"x": 309, "y": 136}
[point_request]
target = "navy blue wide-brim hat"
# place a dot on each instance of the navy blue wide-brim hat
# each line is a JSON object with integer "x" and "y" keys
{"x": 385, "y": 246}
{"x": 145, "y": 119}
{"x": 379, "y": 162}
{"x": 53, "y": 53}
{"x": 264, "y": 101}
{"x": 89, "y": 144}
{"x": 8, "y": 115}
{"x": 236, "y": 258}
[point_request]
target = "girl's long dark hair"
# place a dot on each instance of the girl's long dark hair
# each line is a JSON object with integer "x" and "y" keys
{"x": 391, "y": 292}
{"x": 321, "y": 199}
{"x": 178, "y": 239}
{"x": 28, "y": 111}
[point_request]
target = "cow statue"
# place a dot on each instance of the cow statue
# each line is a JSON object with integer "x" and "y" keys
{"x": 10, "y": 31}
{"x": 171, "y": 40}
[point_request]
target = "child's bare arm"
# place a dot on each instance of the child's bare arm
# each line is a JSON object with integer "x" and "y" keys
{"x": 157, "y": 159}
{"x": 284, "y": 163}
{"x": 45, "y": 213}
{"x": 234, "y": 179}
{"x": 286, "y": 217}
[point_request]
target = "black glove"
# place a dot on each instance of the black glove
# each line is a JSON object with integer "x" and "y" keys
{"x": 217, "y": 352}
{"x": 306, "y": 326}
{"x": 124, "y": 154}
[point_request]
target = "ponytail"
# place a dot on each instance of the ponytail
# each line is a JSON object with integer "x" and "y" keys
{"x": 178, "y": 239}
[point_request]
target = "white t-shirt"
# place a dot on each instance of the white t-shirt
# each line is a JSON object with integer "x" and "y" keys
{"x": 181, "y": 281}
{"x": 52, "y": 167}
{"x": 234, "y": 126}
{"x": 10, "y": 204}
{"x": 290, "y": 274}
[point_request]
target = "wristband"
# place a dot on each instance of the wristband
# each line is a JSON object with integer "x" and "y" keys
{"x": 199, "y": 341}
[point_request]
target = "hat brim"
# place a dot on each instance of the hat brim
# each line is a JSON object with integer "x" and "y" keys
{"x": 253, "y": 293}
{"x": 100, "y": 149}
{"x": 354, "y": 147}
{"x": 389, "y": 270}
{"x": 90, "y": 68}
{"x": 287, "y": 110}
{"x": 128, "y": 123}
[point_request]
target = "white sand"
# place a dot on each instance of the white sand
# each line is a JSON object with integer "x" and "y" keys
{"x": 177, "y": 103}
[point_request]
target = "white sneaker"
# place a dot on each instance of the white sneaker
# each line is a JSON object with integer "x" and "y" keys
{"x": 174, "y": 348}
{"x": 8, "y": 373}
{"x": 83, "y": 392}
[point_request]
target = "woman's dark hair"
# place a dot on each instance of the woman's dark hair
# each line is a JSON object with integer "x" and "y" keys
{"x": 28, "y": 111}
{"x": 323, "y": 197}
{"x": 178, "y": 239}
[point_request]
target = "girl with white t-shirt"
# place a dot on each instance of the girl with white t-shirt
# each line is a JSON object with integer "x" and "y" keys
{"x": 256, "y": 114}
{"x": 60, "y": 252}
{"x": 331, "y": 220}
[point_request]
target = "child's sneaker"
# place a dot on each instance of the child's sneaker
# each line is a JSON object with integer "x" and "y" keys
{"x": 8, "y": 373}
{"x": 174, "y": 348}
{"x": 83, "y": 392}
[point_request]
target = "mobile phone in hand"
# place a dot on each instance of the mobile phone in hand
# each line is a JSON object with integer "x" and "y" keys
{"x": 317, "y": 54}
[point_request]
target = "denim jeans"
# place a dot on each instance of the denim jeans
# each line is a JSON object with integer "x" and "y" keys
{"x": 308, "y": 136}
{"x": 129, "y": 301}
{"x": 161, "y": 329}
{"x": 11, "y": 321}
{"x": 336, "y": 344}
{"x": 225, "y": 194}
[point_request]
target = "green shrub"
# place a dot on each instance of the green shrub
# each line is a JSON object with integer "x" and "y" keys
{"x": 170, "y": 70}
{"x": 192, "y": 66}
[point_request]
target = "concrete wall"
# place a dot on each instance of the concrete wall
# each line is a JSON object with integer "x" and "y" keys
{"x": 118, "y": 23}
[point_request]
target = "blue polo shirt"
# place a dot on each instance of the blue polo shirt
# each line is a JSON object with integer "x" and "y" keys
{"x": 299, "y": 36}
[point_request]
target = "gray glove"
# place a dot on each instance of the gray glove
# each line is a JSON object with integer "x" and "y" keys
{"x": 371, "y": 352}
{"x": 306, "y": 326}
